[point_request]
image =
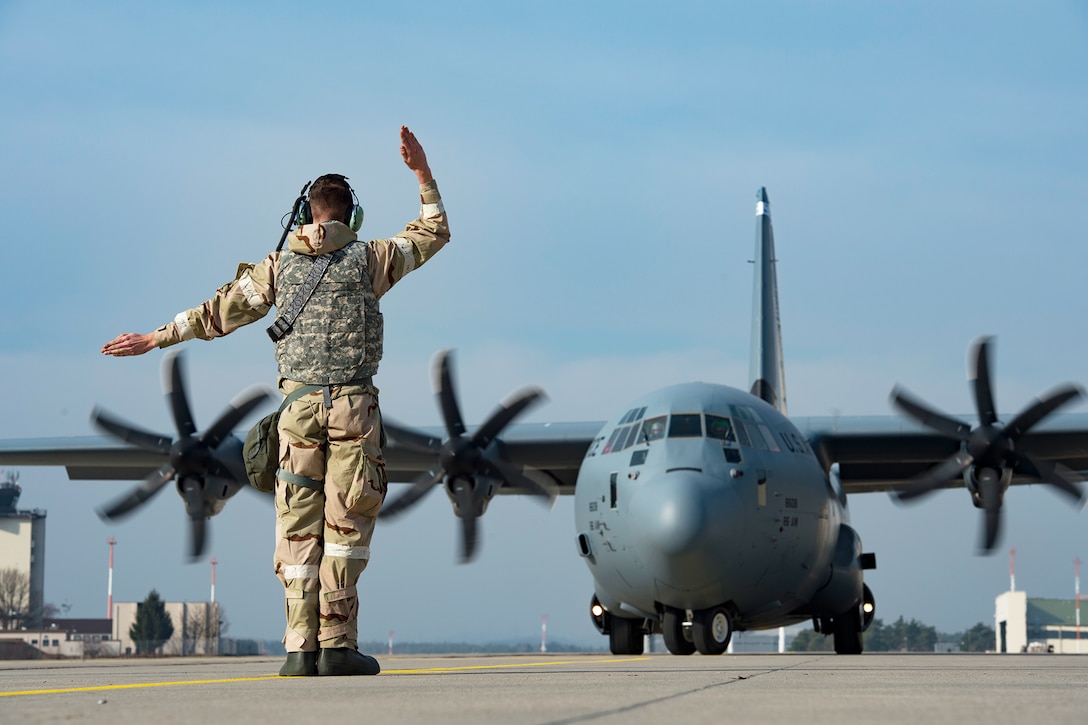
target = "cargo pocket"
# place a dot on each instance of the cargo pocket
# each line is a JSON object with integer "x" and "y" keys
{"x": 368, "y": 487}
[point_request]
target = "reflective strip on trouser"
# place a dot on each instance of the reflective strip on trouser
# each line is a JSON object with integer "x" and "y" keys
{"x": 339, "y": 446}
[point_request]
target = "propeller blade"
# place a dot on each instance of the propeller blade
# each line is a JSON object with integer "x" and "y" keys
{"x": 447, "y": 399}
{"x": 989, "y": 489}
{"x": 1053, "y": 474}
{"x": 979, "y": 376}
{"x": 517, "y": 479}
{"x": 927, "y": 416}
{"x": 420, "y": 488}
{"x": 991, "y": 529}
{"x": 236, "y": 411}
{"x": 174, "y": 387}
{"x": 1041, "y": 408}
{"x": 467, "y": 506}
{"x": 935, "y": 477}
{"x": 410, "y": 439}
{"x": 129, "y": 433}
{"x": 139, "y": 495}
{"x": 509, "y": 408}
{"x": 193, "y": 493}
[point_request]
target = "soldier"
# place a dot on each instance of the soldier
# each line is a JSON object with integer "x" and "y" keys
{"x": 331, "y": 481}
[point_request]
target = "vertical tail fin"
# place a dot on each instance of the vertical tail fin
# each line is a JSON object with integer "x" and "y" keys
{"x": 768, "y": 377}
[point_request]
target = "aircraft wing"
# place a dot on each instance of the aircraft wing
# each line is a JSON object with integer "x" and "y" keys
{"x": 882, "y": 453}
{"x": 86, "y": 458}
{"x": 554, "y": 450}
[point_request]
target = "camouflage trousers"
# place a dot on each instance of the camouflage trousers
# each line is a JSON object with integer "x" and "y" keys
{"x": 329, "y": 489}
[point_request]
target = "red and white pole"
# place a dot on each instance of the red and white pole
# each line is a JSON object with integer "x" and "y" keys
{"x": 390, "y": 643}
{"x": 544, "y": 633}
{"x": 214, "y": 562}
{"x": 1012, "y": 570}
{"x": 1076, "y": 590}
{"x": 109, "y": 583}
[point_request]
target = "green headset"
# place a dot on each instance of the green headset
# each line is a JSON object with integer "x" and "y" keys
{"x": 353, "y": 219}
{"x": 301, "y": 213}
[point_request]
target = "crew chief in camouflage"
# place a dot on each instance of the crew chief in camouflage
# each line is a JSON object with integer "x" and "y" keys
{"x": 331, "y": 482}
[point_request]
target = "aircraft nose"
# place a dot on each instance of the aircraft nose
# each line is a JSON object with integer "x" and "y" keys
{"x": 678, "y": 511}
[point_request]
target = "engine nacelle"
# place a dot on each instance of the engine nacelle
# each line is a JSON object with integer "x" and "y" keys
{"x": 973, "y": 475}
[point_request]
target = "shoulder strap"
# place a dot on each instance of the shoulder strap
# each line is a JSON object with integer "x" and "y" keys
{"x": 298, "y": 393}
{"x": 283, "y": 324}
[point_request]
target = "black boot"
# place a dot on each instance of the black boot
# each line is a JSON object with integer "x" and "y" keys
{"x": 346, "y": 661}
{"x": 299, "y": 664}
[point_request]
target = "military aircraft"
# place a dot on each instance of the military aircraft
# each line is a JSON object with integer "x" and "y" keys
{"x": 701, "y": 509}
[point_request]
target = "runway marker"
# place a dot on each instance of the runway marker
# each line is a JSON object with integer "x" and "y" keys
{"x": 426, "y": 670}
{"x": 135, "y": 685}
{"x": 423, "y": 671}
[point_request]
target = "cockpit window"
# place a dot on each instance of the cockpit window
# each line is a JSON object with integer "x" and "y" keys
{"x": 653, "y": 429}
{"x": 720, "y": 428}
{"x": 686, "y": 425}
{"x": 609, "y": 447}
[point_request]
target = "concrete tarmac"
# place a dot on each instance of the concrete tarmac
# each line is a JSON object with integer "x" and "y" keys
{"x": 559, "y": 688}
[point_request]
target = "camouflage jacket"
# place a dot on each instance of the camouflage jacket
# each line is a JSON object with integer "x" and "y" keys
{"x": 252, "y": 293}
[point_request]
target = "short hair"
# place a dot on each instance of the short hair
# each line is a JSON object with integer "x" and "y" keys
{"x": 332, "y": 195}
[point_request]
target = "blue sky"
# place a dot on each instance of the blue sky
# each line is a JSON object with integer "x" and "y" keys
{"x": 925, "y": 163}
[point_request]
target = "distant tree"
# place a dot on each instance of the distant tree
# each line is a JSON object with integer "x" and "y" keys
{"x": 979, "y": 638}
{"x": 14, "y": 598}
{"x": 153, "y": 625}
{"x": 900, "y": 636}
{"x": 810, "y": 640}
{"x": 204, "y": 625}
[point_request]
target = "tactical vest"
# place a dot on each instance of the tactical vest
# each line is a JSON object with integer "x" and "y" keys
{"x": 338, "y": 335}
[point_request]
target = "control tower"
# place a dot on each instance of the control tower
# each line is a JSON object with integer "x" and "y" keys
{"x": 22, "y": 542}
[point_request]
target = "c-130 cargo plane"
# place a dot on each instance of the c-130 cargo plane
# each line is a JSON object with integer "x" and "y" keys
{"x": 700, "y": 509}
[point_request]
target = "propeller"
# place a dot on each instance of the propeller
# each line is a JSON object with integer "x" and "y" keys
{"x": 987, "y": 457}
{"x": 471, "y": 465}
{"x": 198, "y": 463}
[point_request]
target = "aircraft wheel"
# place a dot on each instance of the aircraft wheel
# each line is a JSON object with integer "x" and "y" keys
{"x": 846, "y": 629}
{"x": 626, "y": 635}
{"x": 711, "y": 630}
{"x": 677, "y": 637}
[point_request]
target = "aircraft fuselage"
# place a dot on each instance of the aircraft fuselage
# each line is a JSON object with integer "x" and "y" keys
{"x": 702, "y": 496}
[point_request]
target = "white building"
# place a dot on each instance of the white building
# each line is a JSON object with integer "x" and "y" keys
{"x": 1026, "y": 624}
{"x": 196, "y": 627}
{"x": 22, "y": 543}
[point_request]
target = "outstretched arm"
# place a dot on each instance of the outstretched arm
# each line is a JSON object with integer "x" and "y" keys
{"x": 414, "y": 156}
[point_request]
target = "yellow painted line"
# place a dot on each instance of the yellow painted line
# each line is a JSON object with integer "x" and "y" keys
{"x": 133, "y": 686}
{"x": 421, "y": 671}
{"x": 426, "y": 670}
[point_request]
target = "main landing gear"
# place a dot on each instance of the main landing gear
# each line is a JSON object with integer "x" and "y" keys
{"x": 707, "y": 632}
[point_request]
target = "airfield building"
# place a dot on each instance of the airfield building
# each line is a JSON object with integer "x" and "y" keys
{"x": 22, "y": 550}
{"x": 196, "y": 627}
{"x": 1028, "y": 624}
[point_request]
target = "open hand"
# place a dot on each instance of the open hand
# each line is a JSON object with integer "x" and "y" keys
{"x": 414, "y": 156}
{"x": 130, "y": 343}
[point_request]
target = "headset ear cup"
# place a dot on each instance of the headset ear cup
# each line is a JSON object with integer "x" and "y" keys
{"x": 305, "y": 216}
{"x": 355, "y": 220}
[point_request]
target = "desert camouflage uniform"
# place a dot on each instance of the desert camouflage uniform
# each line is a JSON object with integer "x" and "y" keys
{"x": 331, "y": 482}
